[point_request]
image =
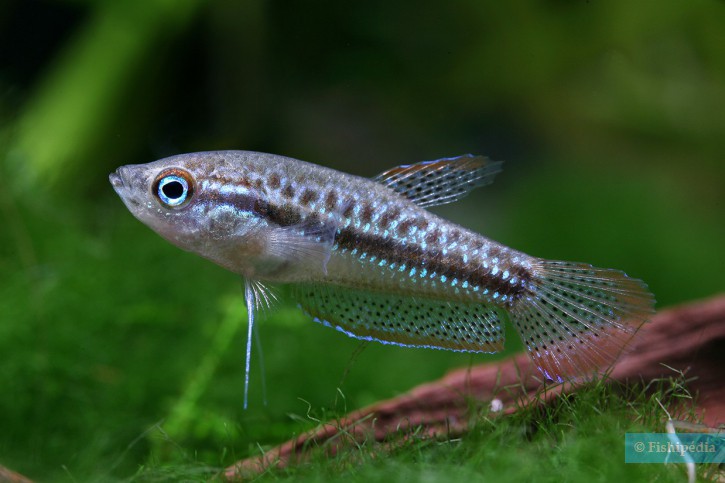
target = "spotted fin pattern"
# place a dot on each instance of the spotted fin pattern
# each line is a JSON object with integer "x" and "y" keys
{"x": 404, "y": 320}
{"x": 431, "y": 183}
{"x": 579, "y": 318}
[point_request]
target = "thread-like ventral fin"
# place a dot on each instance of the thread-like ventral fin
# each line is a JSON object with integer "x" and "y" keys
{"x": 404, "y": 320}
{"x": 257, "y": 296}
{"x": 263, "y": 296}
{"x": 579, "y": 318}
{"x": 431, "y": 183}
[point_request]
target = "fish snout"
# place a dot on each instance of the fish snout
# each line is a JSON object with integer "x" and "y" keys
{"x": 117, "y": 178}
{"x": 123, "y": 184}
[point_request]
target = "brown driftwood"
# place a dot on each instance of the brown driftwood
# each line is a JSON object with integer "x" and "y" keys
{"x": 689, "y": 338}
{"x": 9, "y": 476}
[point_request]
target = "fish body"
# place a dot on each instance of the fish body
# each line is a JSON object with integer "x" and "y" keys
{"x": 364, "y": 256}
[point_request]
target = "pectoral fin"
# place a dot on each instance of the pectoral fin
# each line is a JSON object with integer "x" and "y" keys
{"x": 309, "y": 243}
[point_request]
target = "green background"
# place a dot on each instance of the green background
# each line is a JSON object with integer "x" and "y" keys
{"x": 119, "y": 350}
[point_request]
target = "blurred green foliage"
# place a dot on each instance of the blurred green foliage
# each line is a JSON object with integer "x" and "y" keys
{"x": 120, "y": 351}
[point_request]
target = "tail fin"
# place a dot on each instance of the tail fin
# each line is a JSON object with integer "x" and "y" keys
{"x": 579, "y": 318}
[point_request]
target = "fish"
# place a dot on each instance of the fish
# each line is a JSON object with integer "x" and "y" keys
{"x": 367, "y": 258}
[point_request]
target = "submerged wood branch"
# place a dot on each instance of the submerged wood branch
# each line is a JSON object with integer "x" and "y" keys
{"x": 688, "y": 338}
{"x": 9, "y": 476}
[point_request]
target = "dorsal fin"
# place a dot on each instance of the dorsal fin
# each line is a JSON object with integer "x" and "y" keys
{"x": 431, "y": 183}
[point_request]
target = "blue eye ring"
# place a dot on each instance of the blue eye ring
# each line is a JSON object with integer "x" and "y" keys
{"x": 173, "y": 187}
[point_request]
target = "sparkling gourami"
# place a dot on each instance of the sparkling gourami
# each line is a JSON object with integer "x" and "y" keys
{"x": 365, "y": 257}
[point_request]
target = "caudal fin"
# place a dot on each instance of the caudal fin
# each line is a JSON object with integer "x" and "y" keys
{"x": 579, "y": 318}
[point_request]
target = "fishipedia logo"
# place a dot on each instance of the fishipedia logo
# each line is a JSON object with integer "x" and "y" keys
{"x": 674, "y": 448}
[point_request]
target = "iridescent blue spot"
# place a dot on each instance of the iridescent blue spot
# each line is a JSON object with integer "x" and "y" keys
{"x": 392, "y": 265}
{"x": 495, "y": 270}
{"x": 465, "y": 284}
{"x": 443, "y": 278}
{"x": 454, "y": 282}
{"x": 373, "y": 258}
{"x": 401, "y": 268}
{"x": 513, "y": 280}
{"x": 505, "y": 274}
{"x": 382, "y": 263}
{"x": 424, "y": 272}
{"x": 495, "y": 295}
{"x": 412, "y": 272}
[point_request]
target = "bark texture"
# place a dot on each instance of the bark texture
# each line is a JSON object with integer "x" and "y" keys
{"x": 9, "y": 476}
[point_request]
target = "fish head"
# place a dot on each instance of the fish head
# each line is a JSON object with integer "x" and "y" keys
{"x": 181, "y": 199}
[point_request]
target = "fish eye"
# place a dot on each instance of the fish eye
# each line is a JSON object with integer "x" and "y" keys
{"x": 173, "y": 187}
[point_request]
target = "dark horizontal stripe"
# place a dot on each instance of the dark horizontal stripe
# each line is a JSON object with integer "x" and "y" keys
{"x": 282, "y": 215}
{"x": 433, "y": 261}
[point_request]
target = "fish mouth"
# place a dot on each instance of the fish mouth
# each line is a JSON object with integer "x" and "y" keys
{"x": 116, "y": 179}
{"x": 120, "y": 181}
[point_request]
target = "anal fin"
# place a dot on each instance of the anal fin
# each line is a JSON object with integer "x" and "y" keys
{"x": 404, "y": 320}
